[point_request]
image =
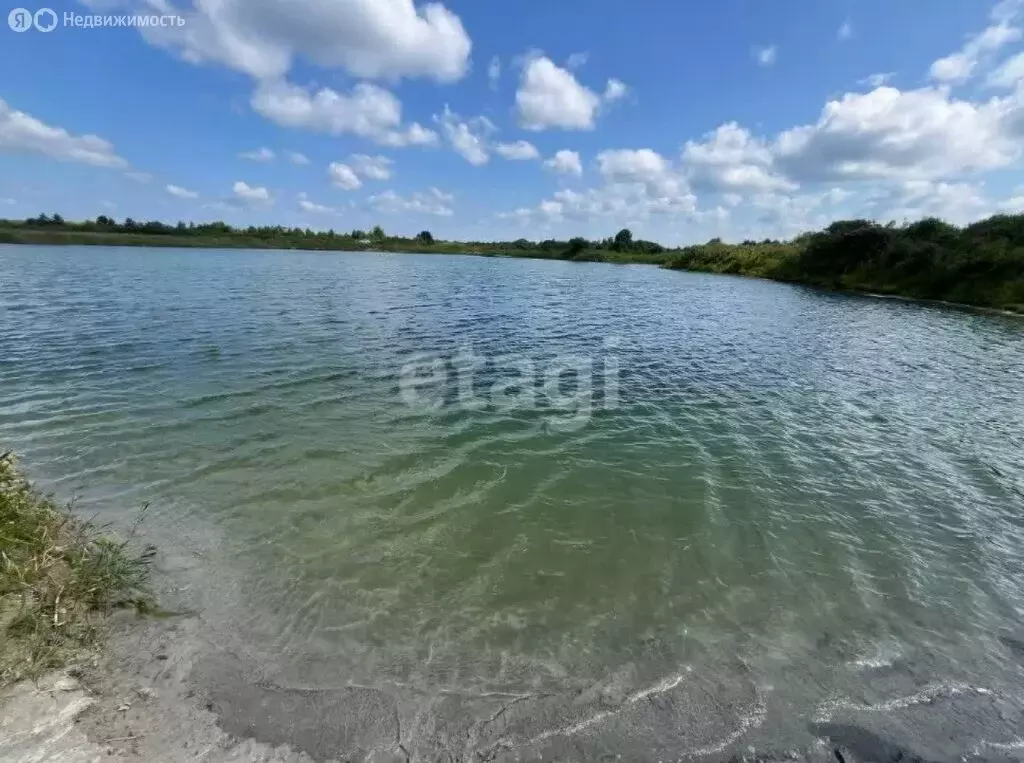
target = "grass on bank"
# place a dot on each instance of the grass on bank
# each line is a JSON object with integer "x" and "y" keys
{"x": 59, "y": 575}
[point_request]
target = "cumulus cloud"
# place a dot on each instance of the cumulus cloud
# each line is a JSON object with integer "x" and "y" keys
{"x": 766, "y": 56}
{"x": 379, "y": 39}
{"x": 259, "y": 155}
{"x": 639, "y": 166}
{"x": 371, "y": 167}
{"x": 521, "y": 150}
{"x": 883, "y": 153}
{"x": 24, "y": 134}
{"x": 565, "y": 162}
{"x": 430, "y": 202}
{"x": 957, "y": 202}
{"x": 731, "y": 159}
{"x": 181, "y": 193}
{"x": 298, "y": 159}
{"x": 368, "y": 111}
{"x": 624, "y": 203}
{"x": 888, "y": 133}
{"x": 306, "y": 205}
{"x": 248, "y": 194}
{"x": 551, "y": 97}
{"x": 468, "y": 138}
{"x": 343, "y": 177}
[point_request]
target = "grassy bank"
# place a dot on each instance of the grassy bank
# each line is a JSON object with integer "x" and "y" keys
{"x": 981, "y": 264}
{"x": 59, "y": 575}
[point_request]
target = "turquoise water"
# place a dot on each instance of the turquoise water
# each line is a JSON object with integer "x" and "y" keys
{"x": 800, "y": 483}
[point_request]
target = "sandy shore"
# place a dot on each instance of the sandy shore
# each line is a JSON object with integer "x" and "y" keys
{"x": 160, "y": 692}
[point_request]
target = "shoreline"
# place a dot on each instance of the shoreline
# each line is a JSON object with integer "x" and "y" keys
{"x": 140, "y": 701}
{"x": 168, "y": 689}
{"x": 660, "y": 262}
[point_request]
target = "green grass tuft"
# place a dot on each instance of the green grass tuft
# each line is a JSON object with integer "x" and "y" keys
{"x": 59, "y": 576}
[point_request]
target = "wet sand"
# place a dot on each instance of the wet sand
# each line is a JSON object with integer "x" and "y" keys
{"x": 163, "y": 692}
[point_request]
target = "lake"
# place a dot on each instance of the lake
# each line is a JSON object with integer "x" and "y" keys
{"x": 465, "y": 476}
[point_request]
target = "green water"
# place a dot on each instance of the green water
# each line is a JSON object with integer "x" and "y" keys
{"x": 763, "y": 480}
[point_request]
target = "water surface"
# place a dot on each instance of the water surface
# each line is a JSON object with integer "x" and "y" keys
{"x": 789, "y": 487}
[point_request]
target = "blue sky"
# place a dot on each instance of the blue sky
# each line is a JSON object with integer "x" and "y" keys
{"x": 681, "y": 120}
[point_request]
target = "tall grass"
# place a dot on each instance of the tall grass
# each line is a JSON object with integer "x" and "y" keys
{"x": 59, "y": 575}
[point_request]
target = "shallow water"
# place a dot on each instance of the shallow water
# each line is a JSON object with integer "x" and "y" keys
{"x": 765, "y": 481}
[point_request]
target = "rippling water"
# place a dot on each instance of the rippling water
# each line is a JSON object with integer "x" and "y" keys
{"x": 788, "y": 484}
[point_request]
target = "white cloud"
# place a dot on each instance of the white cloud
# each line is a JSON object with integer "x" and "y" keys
{"x": 731, "y": 159}
{"x": 263, "y": 155}
{"x": 494, "y": 72}
{"x": 959, "y": 67}
{"x": 958, "y": 203}
{"x": 469, "y": 139}
{"x": 888, "y": 133}
{"x": 430, "y": 202}
{"x": 876, "y": 80}
{"x": 577, "y": 60}
{"x": 549, "y": 96}
{"x": 369, "y": 112}
{"x": 627, "y": 165}
{"x": 309, "y": 206}
{"x": 371, "y": 167}
{"x": 250, "y": 194}
{"x": 785, "y": 215}
{"x": 615, "y": 90}
{"x": 1009, "y": 74}
{"x": 298, "y": 159}
{"x": 766, "y": 56}
{"x": 343, "y": 177}
{"x": 551, "y": 209}
{"x": 24, "y": 134}
{"x": 625, "y": 203}
{"x": 1013, "y": 205}
{"x": 413, "y": 135}
{"x": 565, "y": 162}
{"x": 139, "y": 177}
{"x": 181, "y": 193}
{"x": 385, "y": 39}
{"x": 521, "y": 150}
{"x": 845, "y": 31}
{"x": 836, "y": 195}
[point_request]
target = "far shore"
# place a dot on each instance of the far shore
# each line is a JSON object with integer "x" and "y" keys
{"x": 980, "y": 265}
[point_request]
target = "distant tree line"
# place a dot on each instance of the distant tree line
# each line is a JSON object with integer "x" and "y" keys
{"x": 980, "y": 264}
{"x": 620, "y": 247}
